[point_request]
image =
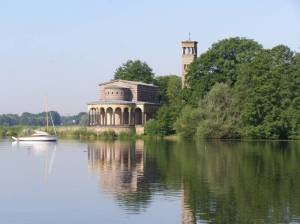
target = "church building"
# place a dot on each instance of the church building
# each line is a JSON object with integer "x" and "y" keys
{"x": 123, "y": 106}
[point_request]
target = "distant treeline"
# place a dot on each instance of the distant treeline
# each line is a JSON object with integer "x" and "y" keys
{"x": 39, "y": 119}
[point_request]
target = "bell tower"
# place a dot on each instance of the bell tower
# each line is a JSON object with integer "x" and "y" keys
{"x": 189, "y": 54}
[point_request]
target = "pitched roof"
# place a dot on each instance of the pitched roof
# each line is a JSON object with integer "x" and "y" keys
{"x": 130, "y": 82}
{"x": 107, "y": 102}
{"x": 115, "y": 87}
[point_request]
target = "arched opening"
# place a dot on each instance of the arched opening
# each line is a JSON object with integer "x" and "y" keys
{"x": 138, "y": 116}
{"x": 109, "y": 116}
{"x": 118, "y": 116}
{"x": 97, "y": 116}
{"x": 92, "y": 115}
{"x": 126, "y": 116}
{"x": 102, "y": 116}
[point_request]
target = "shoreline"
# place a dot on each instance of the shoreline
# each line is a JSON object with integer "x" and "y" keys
{"x": 82, "y": 132}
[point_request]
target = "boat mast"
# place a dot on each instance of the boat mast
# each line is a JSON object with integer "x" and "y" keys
{"x": 52, "y": 123}
{"x": 46, "y": 110}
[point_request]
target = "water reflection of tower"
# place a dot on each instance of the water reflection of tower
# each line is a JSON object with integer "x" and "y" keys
{"x": 187, "y": 216}
{"x": 119, "y": 164}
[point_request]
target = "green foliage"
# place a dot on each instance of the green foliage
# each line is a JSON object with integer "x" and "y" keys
{"x": 169, "y": 88}
{"x": 39, "y": 119}
{"x": 259, "y": 97}
{"x": 9, "y": 119}
{"x": 218, "y": 64}
{"x": 170, "y": 98}
{"x": 268, "y": 95}
{"x": 126, "y": 136}
{"x": 10, "y": 131}
{"x": 218, "y": 117}
{"x": 163, "y": 124}
{"x": 79, "y": 119}
{"x": 152, "y": 128}
{"x": 29, "y": 119}
{"x": 135, "y": 71}
{"x": 80, "y": 132}
{"x": 84, "y": 133}
{"x": 187, "y": 123}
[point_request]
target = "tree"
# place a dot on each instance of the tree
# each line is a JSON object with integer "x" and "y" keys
{"x": 170, "y": 98}
{"x": 218, "y": 64}
{"x": 218, "y": 117}
{"x": 169, "y": 88}
{"x": 9, "y": 119}
{"x": 135, "y": 71}
{"x": 187, "y": 123}
{"x": 78, "y": 119}
{"x": 83, "y": 119}
{"x": 163, "y": 124}
{"x": 55, "y": 117}
{"x": 268, "y": 95}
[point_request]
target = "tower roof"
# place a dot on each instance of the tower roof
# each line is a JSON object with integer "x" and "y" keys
{"x": 189, "y": 41}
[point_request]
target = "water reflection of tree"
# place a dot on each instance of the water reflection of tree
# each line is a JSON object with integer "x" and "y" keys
{"x": 234, "y": 182}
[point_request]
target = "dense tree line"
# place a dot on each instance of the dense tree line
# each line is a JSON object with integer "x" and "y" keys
{"x": 39, "y": 119}
{"x": 237, "y": 89}
{"x": 243, "y": 91}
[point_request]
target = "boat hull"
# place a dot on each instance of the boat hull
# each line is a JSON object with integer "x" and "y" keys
{"x": 37, "y": 139}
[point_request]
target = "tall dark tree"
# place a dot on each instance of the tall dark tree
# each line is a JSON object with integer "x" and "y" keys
{"x": 135, "y": 71}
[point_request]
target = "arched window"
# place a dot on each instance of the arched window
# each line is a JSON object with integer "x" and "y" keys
{"x": 138, "y": 116}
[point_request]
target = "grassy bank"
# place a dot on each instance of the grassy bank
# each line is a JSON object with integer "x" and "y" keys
{"x": 11, "y": 131}
{"x": 76, "y": 132}
{"x": 81, "y": 132}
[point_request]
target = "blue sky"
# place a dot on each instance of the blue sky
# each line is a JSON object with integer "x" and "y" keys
{"x": 64, "y": 48}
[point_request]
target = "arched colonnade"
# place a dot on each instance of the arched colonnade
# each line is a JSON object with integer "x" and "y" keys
{"x": 117, "y": 116}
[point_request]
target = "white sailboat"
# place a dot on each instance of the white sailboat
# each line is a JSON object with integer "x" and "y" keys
{"x": 40, "y": 135}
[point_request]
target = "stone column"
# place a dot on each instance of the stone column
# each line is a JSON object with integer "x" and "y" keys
{"x": 113, "y": 118}
{"x": 100, "y": 117}
{"x": 145, "y": 118}
{"x": 129, "y": 116}
{"x": 122, "y": 116}
{"x": 92, "y": 117}
{"x": 97, "y": 116}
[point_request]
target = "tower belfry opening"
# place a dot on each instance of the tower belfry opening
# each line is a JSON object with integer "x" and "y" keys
{"x": 189, "y": 54}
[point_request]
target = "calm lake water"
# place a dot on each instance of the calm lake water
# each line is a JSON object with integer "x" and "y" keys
{"x": 149, "y": 182}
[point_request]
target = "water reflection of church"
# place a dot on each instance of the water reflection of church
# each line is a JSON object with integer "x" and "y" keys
{"x": 129, "y": 175}
{"x": 119, "y": 165}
